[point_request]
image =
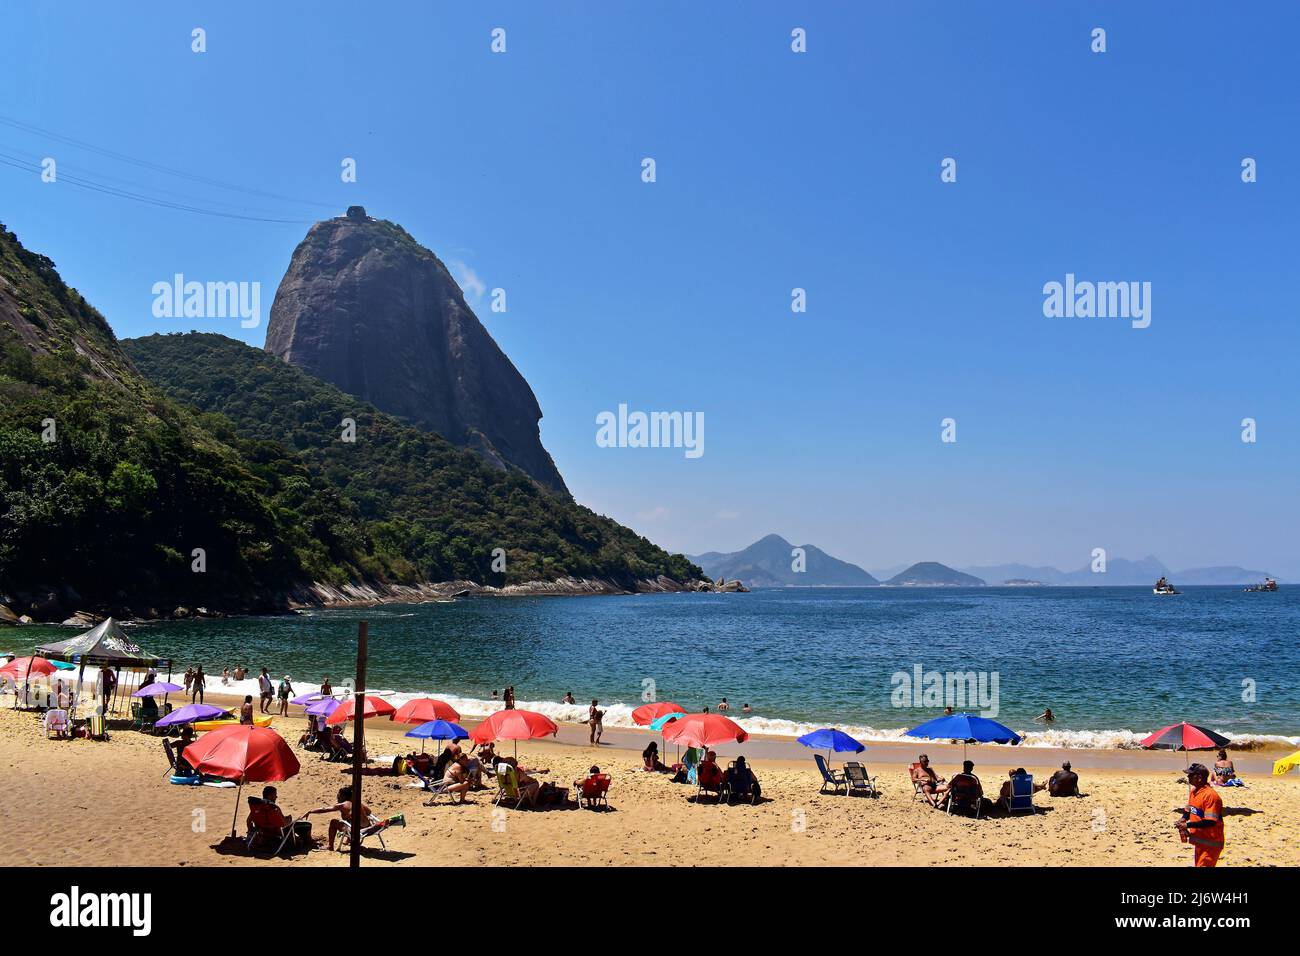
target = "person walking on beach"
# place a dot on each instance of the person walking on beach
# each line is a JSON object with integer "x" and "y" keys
{"x": 1202, "y": 819}
{"x": 189, "y": 678}
{"x": 200, "y": 682}
{"x": 285, "y": 692}
{"x": 594, "y": 718}
{"x": 266, "y": 690}
{"x": 510, "y": 697}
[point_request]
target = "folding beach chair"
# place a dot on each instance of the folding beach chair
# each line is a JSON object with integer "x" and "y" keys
{"x": 435, "y": 789}
{"x": 595, "y": 792}
{"x": 507, "y": 787}
{"x": 733, "y": 791}
{"x": 963, "y": 795}
{"x": 56, "y": 723}
{"x": 855, "y": 775}
{"x": 1022, "y": 794}
{"x": 829, "y": 777}
{"x": 97, "y": 727}
{"x": 708, "y": 780}
{"x": 262, "y": 829}
{"x": 375, "y": 827}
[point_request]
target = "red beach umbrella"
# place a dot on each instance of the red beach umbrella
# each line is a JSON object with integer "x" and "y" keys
{"x": 424, "y": 710}
{"x": 1185, "y": 736}
{"x": 514, "y": 725}
{"x": 704, "y": 730}
{"x": 22, "y": 667}
{"x": 375, "y": 707}
{"x": 648, "y": 713}
{"x": 245, "y": 753}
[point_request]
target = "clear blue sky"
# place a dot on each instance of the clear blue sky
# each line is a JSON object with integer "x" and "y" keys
{"x": 775, "y": 170}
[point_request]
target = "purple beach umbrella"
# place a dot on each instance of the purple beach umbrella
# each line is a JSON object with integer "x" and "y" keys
{"x": 190, "y": 713}
{"x": 159, "y": 687}
{"x": 304, "y": 699}
{"x": 323, "y": 707}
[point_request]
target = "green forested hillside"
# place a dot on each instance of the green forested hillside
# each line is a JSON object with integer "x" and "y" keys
{"x": 430, "y": 510}
{"x": 107, "y": 513}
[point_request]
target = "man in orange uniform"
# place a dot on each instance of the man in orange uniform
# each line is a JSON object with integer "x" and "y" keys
{"x": 1202, "y": 822}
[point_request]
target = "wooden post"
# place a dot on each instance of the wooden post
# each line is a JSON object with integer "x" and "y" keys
{"x": 358, "y": 744}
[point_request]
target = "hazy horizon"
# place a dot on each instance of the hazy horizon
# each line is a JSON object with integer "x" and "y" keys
{"x": 775, "y": 171}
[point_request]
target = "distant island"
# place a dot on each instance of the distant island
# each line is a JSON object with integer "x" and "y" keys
{"x": 1120, "y": 572}
{"x": 773, "y": 562}
{"x": 930, "y": 574}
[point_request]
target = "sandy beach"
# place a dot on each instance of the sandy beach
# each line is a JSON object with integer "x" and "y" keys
{"x": 128, "y": 814}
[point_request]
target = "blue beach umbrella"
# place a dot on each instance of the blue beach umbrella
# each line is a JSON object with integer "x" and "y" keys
{"x": 828, "y": 739}
{"x": 438, "y": 730}
{"x": 968, "y": 728}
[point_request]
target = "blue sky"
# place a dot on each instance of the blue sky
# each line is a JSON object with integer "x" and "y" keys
{"x": 775, "y": 170}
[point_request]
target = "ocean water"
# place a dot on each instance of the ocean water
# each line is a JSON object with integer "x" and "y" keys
{"x": 1112, "y": 663}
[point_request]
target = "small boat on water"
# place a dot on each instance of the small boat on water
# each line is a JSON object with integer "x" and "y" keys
{"x": 1163, "y": 587}
{"x": 1269, "y": 584}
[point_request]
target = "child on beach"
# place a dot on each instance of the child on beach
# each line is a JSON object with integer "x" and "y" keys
{"x": 225, "y": 676}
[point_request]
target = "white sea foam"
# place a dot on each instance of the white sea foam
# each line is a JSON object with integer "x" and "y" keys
{"x": 619, "y": 714}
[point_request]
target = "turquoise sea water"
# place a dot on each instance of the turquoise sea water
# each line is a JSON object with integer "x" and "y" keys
{"x": 1112, "y": 663}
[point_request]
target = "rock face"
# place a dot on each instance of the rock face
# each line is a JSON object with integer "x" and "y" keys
{"x": 368, "y": 309}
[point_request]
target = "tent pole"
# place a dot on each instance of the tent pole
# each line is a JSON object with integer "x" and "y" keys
{"x": 238, "y": 793}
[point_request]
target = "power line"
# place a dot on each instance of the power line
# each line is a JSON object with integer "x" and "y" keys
{"x": 93, "y": 186}
{"x": 147, "y": 164}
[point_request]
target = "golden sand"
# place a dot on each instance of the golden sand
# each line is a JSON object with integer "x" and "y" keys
{"x": 92, "y": 803}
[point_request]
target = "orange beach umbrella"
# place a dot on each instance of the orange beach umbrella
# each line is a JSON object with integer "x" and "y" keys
{"x": 705, "y": 730}
{"x": 514, "y": 725}
{"x": 423, "y": 710}
{"x": 649, "y": 713}
{"x": 375, "y": 707}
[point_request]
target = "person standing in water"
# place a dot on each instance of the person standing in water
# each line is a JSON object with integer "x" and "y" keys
{"x": 1046, "y": 716}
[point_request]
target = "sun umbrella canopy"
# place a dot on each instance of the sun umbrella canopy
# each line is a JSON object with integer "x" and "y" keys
{"x": 241, "y": 752}
{"x": 190, "y": 713}
{"x": 375, "y": 707}
{"x": 1185, "y": 736}
{"x": 18, "y": 669}
{"x": 514, "y": 725}
{"x": 438, "y": 730}
{"x": 104, "y": 644}
{"x": 649, "y": 713}
{"x": 323, "y": 707}
{"x": 423, "y": 710}
{"x": 311, "y": 698}
{"x": 1286, "y": 764}
{"x": 828, "y": 738}
{"x": 969, "y": 728}
{"x": 158, "y": 687}
{"x": 658, "y": 724}
{"x": 705, "y": 730}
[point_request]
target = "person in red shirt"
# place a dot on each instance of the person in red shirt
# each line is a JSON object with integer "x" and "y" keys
{"x": 1202, "y": 821}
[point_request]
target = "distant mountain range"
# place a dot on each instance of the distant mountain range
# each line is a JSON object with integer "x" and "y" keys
{"x": 769, "y": 563}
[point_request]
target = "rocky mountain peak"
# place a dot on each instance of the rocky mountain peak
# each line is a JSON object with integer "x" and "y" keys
{"x": 368, "y": 309}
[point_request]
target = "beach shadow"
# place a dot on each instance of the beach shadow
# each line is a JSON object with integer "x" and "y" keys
{"x": 388, "y": 856}
{"x": 1240, "y": 811}
{"x": 237, "y": 846}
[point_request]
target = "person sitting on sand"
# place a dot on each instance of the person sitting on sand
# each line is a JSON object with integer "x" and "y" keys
{"x": 1064, "y": 783}
{"x": 246, "y": 710}
{"x": 1004, "y": 795}
{"x": 344, "y": 809}
{"x": 741, "y": 782}
{"x": 183, "y": 768}
{"x": 924, "y": 775}
{"x": 456, "y": 775}
{"x": 652, "y": 763}
{"x": 1225, "y": 774}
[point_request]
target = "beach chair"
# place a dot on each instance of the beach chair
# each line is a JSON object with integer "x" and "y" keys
{"x": 97, "y": 727}
{"x": 595, "y": 792}
{"x": 507, "y": 787}
{"x": 855, "y": 775}
{"x": 265, "y": 826}
{"x": 1022, "y": 794}
{"x": 375, "y": 827}
{"x": 963, "y": 796}
{"x": 733, "y": 790}
{"x": 829, "y": 777}
{"x": 708, "y": 780}
{"x": 56, "y": 723}
{"x": 434, "y": 788}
